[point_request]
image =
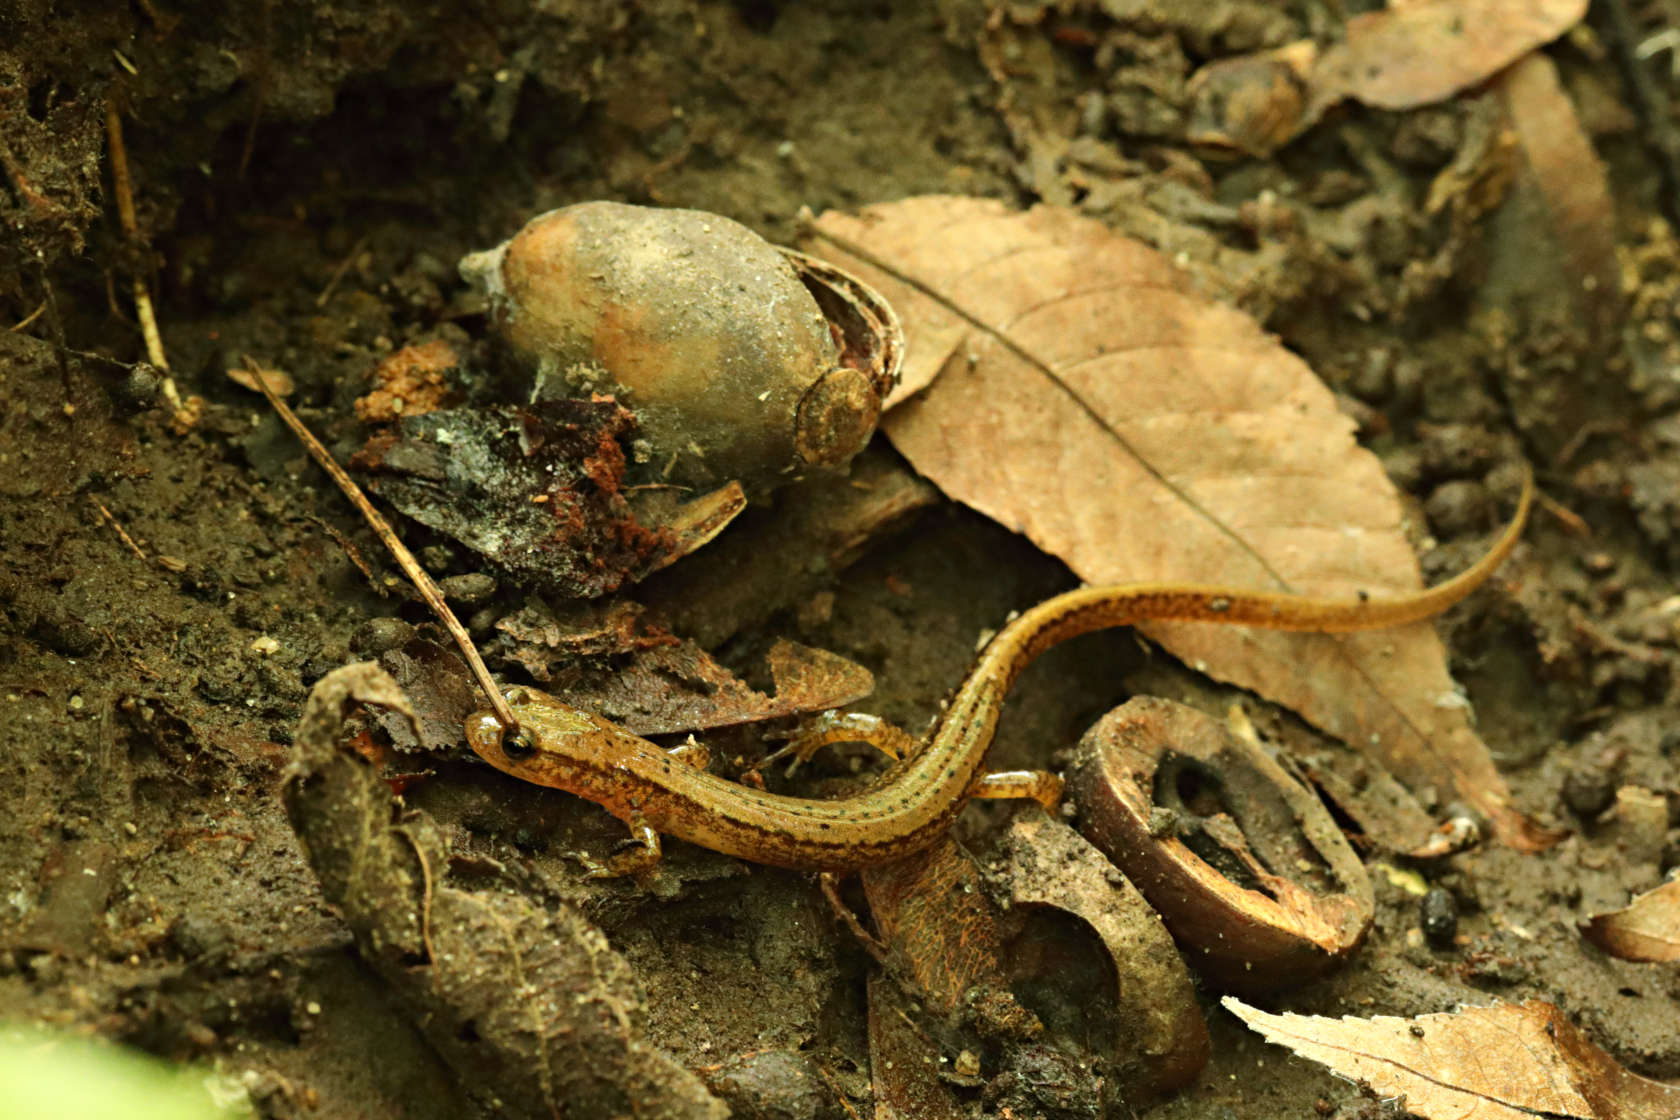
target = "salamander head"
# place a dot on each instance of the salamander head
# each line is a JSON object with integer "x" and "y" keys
{"x": 489, "y": 739}
{"x": 540, "y": 719}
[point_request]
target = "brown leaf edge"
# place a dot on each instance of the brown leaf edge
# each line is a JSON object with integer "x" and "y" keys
{"x": 1646, "y": 929}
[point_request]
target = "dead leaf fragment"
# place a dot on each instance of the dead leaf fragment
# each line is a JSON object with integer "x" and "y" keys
{"x": 1572, "y": 184}
{"x": 695, "y": 524}
{"x": 439, "y": 689}
{"x": 678, "y": 687}
{"x": 1647, "y": 929}
{"x": 538, "y": 490}
{"x": 280, "y": 382}
{"x": 1140, "y": 432}
{"x": 1405, "y": 56}
{"x": 932, "y": 914}
{"x": 904, "y": 1062}
{"x": 1506, "y": 1062}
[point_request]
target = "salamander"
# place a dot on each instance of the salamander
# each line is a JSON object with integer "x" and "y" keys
{"x": 657, "y": 791}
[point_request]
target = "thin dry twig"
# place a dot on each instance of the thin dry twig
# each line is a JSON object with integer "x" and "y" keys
{"x": 110, "y": 519}
{"x": 426, "y": 884}
{"x": 354, "y": 553}
{"x": 1573, "y": 522}
{"x": 131, "y": 229}
{"x": 410, "y": 566}
{"x": 338, "y": 273}
{"x": 28, "y": 319}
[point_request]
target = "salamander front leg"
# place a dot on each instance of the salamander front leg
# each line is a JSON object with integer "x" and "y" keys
{"x": 642, "y": 852}
{"x": 1040, "y": 785}
{"x": 643, "y": 855}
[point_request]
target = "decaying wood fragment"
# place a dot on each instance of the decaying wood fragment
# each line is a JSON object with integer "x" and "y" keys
{"x": 965, "y": 936}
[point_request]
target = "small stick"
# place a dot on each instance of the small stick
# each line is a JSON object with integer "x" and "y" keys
{"x": 1572, "y": 521}
{"x": 338, "y": 273}
{"x": 32, "y": 316}
{"x": 422, "y": 581}
{"x": 131, "y": 229}
{"x": 111, "y": 520}
{"x": 355, "y": 555}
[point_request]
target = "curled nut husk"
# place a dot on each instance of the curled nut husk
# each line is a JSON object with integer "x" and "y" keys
{"x": 740, "y": 361}
{"x": 1245, "y": 865}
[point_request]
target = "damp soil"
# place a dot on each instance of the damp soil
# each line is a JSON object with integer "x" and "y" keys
{"x": 305, "y": 179}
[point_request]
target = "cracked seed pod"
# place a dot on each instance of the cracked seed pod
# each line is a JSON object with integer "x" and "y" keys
{"x": 740, "y": 360}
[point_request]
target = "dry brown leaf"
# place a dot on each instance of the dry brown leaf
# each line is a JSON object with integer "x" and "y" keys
{"x": 1403, "y": 57}
{"x": 659, "y": 684}
{"x": 1144, "y": 433}
{"x": 674, "y": 688}
{"x": 1512, "y": 1061}
{"x": 1571, "y": 181}
{"x": 1647, "y": 929}
{"x": 280, "y": 382}
{"x": 904, "y": 1062}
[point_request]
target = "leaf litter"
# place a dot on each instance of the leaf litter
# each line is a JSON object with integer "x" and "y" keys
{"x": 1404, "y": 56}
{"x": 1409, "y": 55}
{"x": 658, "y": 685}
{"x": 1068, "y": 383}
{"x": 1511, "y": 1061}
{"x": 539, "y": 490}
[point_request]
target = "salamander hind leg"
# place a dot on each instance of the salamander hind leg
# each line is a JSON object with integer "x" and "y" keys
{"x": 1039, "y": 785}
{"x": 695, "y": 754}
{"x": 844, "y": 727}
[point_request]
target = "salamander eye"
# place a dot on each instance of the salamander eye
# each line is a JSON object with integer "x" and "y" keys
{"x": 521, "y": 744}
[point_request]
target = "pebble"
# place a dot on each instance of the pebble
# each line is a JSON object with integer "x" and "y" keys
{"x": 1588, "y": 789}
{"x": 1457, "y": 450}
{"x": 378, "y": 635}
{"x": 1459, "y": 507}
{"x": 139, "y": 389}
{"x": 467, "y": 590}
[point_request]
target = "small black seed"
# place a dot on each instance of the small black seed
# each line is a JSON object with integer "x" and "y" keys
{"x": 1440, "y": 917}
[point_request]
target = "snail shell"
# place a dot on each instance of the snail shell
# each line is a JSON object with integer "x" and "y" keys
{"x": 706, "y": 330}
